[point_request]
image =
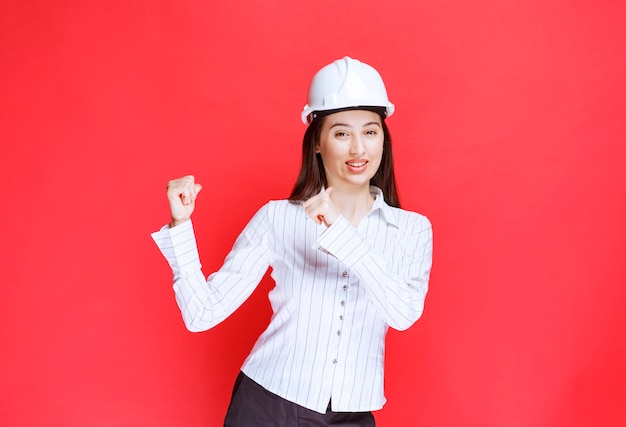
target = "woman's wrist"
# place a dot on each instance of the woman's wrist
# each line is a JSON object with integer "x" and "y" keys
{"x": 176, "y": 222}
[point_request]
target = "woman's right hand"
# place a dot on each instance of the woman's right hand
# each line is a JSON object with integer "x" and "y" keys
{"x": 182, "y": 193}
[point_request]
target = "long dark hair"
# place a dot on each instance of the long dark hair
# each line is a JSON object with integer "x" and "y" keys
{"x": 312, "y": 176}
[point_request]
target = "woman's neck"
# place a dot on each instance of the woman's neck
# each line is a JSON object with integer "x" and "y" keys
{"x": 354, "y": 205}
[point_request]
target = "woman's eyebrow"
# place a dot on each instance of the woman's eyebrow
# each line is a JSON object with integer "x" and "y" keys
{"x": 350, "y": 126}
{"x": 340, "y": 124}
{"x": 372, "y": 123}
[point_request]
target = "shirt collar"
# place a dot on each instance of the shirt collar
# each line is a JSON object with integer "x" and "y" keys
{"x": 388, "y": 212}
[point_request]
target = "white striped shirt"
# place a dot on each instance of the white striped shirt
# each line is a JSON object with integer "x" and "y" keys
{"x": 338, "y": 289}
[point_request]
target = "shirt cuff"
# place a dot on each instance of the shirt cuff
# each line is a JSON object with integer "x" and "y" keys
{"x": 178, "y": 246}
{"x": 343, "y": 241}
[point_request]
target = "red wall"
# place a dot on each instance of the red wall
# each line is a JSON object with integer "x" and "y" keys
{"x": 510, "y": 135}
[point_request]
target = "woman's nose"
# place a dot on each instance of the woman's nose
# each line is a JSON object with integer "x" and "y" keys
{"x": 356, "y": 145}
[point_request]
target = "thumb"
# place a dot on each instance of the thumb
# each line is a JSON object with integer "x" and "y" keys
{"x": 197, "y": 187}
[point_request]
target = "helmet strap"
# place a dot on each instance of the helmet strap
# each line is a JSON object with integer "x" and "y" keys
{"x": 381, "y": 111}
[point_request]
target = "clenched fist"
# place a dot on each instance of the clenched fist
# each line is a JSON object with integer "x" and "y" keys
{"x": 182, "y": 193}
{"x": 321, "y": 208}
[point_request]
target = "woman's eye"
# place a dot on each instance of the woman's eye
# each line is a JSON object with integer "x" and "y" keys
{"x": 371, "y": 132}
{"x": 340, "y": 134}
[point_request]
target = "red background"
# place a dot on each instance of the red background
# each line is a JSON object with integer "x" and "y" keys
{"x": 509, "y": 134}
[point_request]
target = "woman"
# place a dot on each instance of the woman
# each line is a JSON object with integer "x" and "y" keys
{"x": 347, "y": 261}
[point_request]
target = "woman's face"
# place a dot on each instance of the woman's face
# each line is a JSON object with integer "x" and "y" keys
{"x": 351, "y": 147}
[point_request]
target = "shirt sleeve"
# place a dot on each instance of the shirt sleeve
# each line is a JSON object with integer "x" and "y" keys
{"x": 397, "y": 291}
{"x": 205, "y": 302}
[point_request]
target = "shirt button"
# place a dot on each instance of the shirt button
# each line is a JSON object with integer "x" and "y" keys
{"x": 343, "y": 303}
{"x": 339, "y": 333}
{"x": 345, "y": 274}
{"x": 345, "y": 287}
{"x": 341, "y": 317}
{"x": 334, "y": 361}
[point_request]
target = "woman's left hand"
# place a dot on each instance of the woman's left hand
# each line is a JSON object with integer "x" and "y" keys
{"x": 321, "y": 208}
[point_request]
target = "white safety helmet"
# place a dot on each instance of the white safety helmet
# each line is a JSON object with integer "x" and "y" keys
{"x": 346, "y": 83}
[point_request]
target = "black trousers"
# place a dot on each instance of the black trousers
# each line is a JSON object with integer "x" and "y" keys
{"x": 252, "y": 405}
